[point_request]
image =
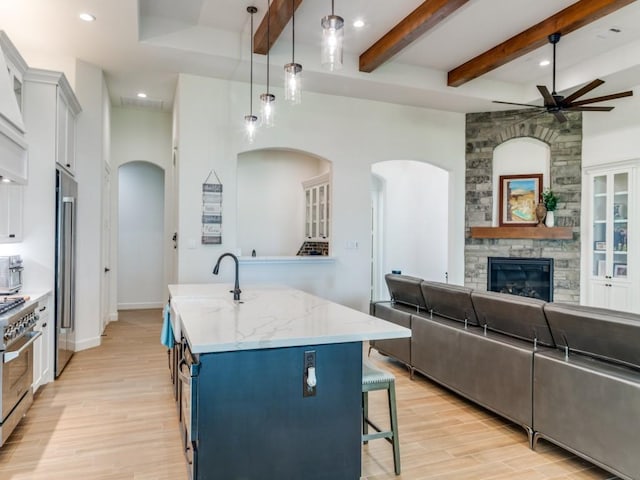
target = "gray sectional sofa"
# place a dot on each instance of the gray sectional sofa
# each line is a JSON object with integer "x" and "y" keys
{"x": 569, "y": 374}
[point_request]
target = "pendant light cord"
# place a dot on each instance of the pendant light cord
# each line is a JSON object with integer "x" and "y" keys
{"x": 332, "y": 12}
{"x": 293, "y": 31}
{"x": 268, "y": 40}
{"x": 251, "y": 70}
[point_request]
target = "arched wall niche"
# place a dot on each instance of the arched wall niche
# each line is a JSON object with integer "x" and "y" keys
{"x": 519, "y": 156}
{"x": 271, "y": 209}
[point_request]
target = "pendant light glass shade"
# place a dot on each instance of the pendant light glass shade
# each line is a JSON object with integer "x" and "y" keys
{"x": 266, "y": 108}
{"x": 293, "y": 82}
{"x": 293, "y": 70}
{"x": 267, "y": 99}
{"x": 250, "y": 126}
{"x": 251, "y": 121}
{"x": 332, "y": 39}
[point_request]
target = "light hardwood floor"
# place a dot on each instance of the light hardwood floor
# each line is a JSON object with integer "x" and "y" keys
{"x": 111, "y": 416}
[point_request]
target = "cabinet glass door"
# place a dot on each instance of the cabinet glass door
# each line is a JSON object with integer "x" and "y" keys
{"x": 620, "y": 223}
{"x": 599, "y": 209}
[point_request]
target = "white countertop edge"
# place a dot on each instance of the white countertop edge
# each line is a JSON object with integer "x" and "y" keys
{"x": 202, "y": 348}
{"x": 287, "y": 259}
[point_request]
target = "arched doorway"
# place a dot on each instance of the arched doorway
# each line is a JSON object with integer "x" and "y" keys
{"x": 141, "y": 269}
{"x": 410, "y": 209}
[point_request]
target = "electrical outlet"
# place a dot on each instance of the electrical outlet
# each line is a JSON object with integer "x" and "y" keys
{"x": 309, "y": 376}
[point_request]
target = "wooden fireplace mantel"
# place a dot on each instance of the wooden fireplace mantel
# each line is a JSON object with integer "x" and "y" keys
{"x": 540, "y": 233}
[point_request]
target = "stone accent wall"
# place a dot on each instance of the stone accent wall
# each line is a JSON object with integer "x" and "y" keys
{"x": 484, "y": 132}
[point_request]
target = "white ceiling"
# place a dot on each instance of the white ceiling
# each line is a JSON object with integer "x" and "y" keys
{"x": 143, "y": 45}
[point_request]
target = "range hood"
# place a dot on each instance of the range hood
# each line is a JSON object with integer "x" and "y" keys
{"x": 13, "y": 146}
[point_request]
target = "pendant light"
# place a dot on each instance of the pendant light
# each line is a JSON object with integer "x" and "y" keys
{"x": 293, "y": 70}
{"x": 251, "y": 121}
{"x": 332, "y": 37}
{"x": 267, "y": 99}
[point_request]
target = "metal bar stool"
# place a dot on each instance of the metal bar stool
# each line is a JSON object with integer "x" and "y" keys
{"x": 376, "y": 379}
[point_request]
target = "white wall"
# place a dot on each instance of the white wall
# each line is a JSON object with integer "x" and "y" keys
{"x": 91, "y": 132}
{"x": 141, "y": 135}
{"x": 141, "y": 282}
{"x": 271, "y": 200}
{"x": 352, "y": 134}
{"x": 415, "y": 219}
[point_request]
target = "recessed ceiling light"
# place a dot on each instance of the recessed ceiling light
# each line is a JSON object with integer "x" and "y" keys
{"x": 142, "y": 95}
{"x": 544, "y": 63}
{"x": 358, "y": 23}
{"x": 87, "y": 17}
{"x": 5, "y": 180}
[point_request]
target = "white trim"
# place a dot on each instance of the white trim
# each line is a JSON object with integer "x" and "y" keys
{"x": 140, "y": 306}
{"x": 86, "y": 344}
{"x": 305, "y": 259}
{"x": 113, "y": 317}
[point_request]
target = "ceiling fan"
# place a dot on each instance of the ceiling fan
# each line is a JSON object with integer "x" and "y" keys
{"x": 557, "y": 104}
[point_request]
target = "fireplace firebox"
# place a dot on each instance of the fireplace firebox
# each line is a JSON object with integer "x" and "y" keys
{"x": 527, "y": 277}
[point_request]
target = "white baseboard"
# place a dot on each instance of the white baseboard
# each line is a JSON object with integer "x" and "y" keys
{"x": 113, "y": 317}
{"x": 86, "y": 344}
{"x": 140, "y": 306}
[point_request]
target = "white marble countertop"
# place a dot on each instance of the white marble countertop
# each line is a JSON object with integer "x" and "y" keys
{"x": 268, "y": 317}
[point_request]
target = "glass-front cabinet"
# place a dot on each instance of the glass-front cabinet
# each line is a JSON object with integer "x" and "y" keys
{"x": 610, "y": 246}
{"x": 317, "y": 192}
{"x": 610, "y": 225}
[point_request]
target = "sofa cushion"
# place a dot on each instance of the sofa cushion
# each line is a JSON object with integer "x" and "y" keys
{"x": 449, "y": 301}
{"x": 607, "y": 334}
{"x": 405, "y": 289}
{"x": 519, "y": 317}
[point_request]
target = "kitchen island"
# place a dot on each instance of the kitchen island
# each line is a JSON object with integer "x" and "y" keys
{"x": 270, "y": 387}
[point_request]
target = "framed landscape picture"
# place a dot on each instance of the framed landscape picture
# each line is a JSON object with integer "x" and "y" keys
{"x": 519, "y": 195}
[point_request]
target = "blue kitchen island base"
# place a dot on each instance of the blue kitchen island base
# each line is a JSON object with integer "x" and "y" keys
{"x": 253, "y": 422}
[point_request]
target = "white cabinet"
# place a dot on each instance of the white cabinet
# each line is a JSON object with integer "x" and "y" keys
{"x": 612, "y": 227}
{"x": 317, "y": 197}
{"x": 42, "y": 347}
{"x": 11, "y": 206}
{"x": 66, "y": 132}
{"x": 50, "y": 111}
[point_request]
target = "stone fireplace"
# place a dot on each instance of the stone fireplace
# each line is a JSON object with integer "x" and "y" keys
{"x": 484, "y": 132}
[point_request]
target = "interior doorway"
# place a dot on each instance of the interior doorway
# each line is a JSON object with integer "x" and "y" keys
{"x": 141, "y": 262}
{"x": 410, "y": 224}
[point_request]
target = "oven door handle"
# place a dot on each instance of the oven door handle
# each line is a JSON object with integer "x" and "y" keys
{"x": 10, "y": 356}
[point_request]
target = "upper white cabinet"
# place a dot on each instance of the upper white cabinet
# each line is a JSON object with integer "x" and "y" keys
{"x": 317, "y": 196}
{"x": 612, "y": 227}
{"x": 66, "y": 131}
{"x": 10, "y": 212}
{"x": 51, "y": 109}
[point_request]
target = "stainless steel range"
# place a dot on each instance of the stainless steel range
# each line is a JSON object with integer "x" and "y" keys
{"x": 16, "y": 365}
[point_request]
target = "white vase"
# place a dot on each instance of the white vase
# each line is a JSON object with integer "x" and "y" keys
{"x": 549, "y": 221}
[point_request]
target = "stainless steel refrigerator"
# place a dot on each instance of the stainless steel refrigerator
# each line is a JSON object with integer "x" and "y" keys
{"x": 65, "y": 280}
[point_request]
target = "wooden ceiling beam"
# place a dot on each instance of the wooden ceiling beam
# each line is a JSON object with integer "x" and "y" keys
{"x": 422, "y": 19}
{"x": 566, "y": 21}
{"x": 281, "y": 13}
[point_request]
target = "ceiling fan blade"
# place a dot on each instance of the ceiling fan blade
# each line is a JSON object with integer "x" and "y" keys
{"x": 520, "y": 104}
{"x": 560, "y": 117}
{"x": 589, "y": 109}
{"x": 581, "y": 91}
{"x": 548, "y": 98}
{"x": 601, "y": 99}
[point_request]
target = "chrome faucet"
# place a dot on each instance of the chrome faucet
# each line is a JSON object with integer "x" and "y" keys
{"x": 236, "y": 289}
